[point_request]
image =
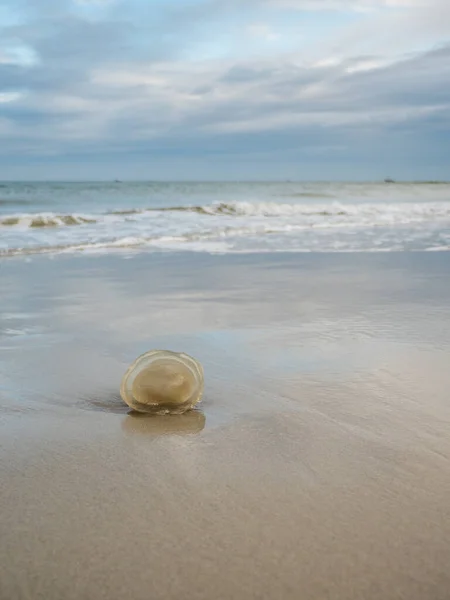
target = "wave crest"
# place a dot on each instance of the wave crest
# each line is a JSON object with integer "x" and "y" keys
{"x": 321, "y": 214}
{"x": 45, "y": 220}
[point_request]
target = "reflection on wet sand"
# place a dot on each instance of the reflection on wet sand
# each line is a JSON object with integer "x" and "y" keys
{"x": 190, "y": 422}
{"x": 106, "y": 402}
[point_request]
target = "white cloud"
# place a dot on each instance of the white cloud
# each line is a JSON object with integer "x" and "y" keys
{"x": 333, "y": 118}
{"x": 6, "y": 97}
{"x": 366, "y": 65}
{"x": 411, "y": 27}
{"x": 329, "y": 61}
{"x": 94, "y": 2}
{"x": 20, "y": 55}
{"x": 355, "y": 5}
{"x": 264, "y": 31}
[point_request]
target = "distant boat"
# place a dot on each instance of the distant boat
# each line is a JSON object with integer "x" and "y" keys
{"x": 389, "y": 180}
{"x": 117, "y": 181}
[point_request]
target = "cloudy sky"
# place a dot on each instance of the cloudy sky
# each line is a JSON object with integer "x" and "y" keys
{"x": 224, "y": 89}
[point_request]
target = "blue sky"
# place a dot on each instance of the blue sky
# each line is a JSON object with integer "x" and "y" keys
{"x": 224, "y": 89}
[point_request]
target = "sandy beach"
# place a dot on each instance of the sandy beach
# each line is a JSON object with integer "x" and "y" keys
{"x": 317, "y": 466}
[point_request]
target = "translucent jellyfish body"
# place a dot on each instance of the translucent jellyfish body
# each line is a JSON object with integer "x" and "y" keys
{"x": 163, "y": 382}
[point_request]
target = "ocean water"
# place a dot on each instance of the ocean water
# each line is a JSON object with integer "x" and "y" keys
{"x": 223, "y": 217}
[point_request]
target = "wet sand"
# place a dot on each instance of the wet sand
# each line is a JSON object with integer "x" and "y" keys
{"x": 318, "y": 465}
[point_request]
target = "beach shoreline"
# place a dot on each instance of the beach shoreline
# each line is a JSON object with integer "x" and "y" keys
{"x": 317, "y": 465}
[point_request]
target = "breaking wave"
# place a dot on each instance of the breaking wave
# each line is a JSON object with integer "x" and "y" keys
{"x": 45, "y": 220}
{"x": 392, "y": 212}
{"x": 322, "y": 224}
